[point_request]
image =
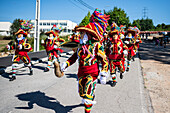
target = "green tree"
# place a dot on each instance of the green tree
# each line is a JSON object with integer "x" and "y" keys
{"x": 136, "y": 23}
{"x": 86, "y": 19}
{"x": 145, "y": 24}
{"x": 119, "y": 16}
{"x": 15, "y": 26}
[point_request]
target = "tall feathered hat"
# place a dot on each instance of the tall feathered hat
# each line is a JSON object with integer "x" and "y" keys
{"x": 97, "y": 26}
{"x": 122, "y": 29}
{"x": 115, "y": 29}
{"x": 136, "y": 29}
{"x": 26, "y": 26}
{"x": 131, "y": 30}
{"x": 55, "y": 30}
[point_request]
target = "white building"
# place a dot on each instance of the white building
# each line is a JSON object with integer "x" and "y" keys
{"x": 5, "y": 28}
{"x": 46, "y": 25}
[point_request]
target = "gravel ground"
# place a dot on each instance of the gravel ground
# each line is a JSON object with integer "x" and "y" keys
{"x": 155, "y": 61}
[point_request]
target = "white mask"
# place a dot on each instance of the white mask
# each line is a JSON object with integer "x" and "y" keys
{"x": 128, "y": 36}
{"x": 50, "y": 37}
{"x": 84, "y": 40}
{"x": 20, "y": 37}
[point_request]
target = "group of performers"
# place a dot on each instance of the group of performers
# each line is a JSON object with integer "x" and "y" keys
{"x": 114, "y": 49}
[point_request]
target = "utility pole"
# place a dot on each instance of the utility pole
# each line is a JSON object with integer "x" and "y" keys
{"x": 37, "y": 33}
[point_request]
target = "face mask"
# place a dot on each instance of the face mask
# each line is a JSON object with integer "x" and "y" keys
{"x": 50, "y": 37}
{"x": 84, "y": 40}
{"x": 20, "y": 37}
{"x": 128, "y": 36}
{"x": 122, "y": 36}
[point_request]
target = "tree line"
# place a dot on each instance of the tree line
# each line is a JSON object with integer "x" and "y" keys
{"x": 119, "y": 16}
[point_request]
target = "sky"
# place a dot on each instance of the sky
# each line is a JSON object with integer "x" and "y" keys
{"x": 157, "y": 10}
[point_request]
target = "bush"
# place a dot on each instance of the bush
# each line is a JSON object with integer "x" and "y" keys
{"x": 6, "y": 37}
{"x": 64, "y": 37}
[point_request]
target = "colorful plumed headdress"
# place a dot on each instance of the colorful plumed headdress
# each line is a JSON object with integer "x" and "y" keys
{"x": 136, "y": 29}
{"x": 97, "y": 26}
{"x": 55, "y": 30}
{"x": 115, "y": 29}
{"x": 26, "y": 26}
{"x": 131, "y": 30}
{"x": 122, "y": 29}
{"x": 50, "y": 32}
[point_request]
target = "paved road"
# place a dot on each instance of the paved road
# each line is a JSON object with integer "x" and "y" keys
{"x": 45, "y": 93}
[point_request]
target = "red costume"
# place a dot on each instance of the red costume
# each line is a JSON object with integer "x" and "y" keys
{"x": 115, "y": 53}
{"x": 130, "y": 41}
{"x": 51, "y": 45}
{"x": 89, "y": 55}
{"x": 21, "y": 47}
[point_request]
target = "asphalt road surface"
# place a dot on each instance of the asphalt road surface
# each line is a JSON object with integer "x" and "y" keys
{"x": 44, "y": 93}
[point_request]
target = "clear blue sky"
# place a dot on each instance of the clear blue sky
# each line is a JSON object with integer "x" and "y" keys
{"x": 158, "y": 10}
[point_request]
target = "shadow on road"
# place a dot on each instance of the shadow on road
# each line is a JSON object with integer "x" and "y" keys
{"x": 72, "y": 76}
{"x": 6, "y": 75}
{"x": 44, "y": 101}
{"x": 148, "y": 51}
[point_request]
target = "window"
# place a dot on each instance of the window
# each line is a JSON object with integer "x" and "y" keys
{"x": 44, "y": 24}
{"x": 52, "y": 23}
{"x": 48, "y": 24}
{"x": 56, "y": 23}
{"x": 69, "y": 30}
{"x": 40, "y": 23}
{"x": 65, "y": 30}
{"x": 63, "y": 24}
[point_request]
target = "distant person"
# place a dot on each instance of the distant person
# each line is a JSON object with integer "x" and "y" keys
{"x": 21, "y": 47}
{"x": 165, "y": 39}
{"x": 115, "y": 53}
{"x": 157, "y": 41}
{"x": 130, "y": 41}
{"x": 51, "y": 45}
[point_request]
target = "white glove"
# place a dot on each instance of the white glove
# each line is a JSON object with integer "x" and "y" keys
{"x": 103, "y": 77}
{"x": 42, "y": 41}
{"x": 8, "y": 47}
{"x": 126, "y": 42}
{"x": 55, "y": 46}
{"x": 20, "y": 47}
{"x": 63, "y": 66}
{"x": 137, "y": 40}
{"x": 125, "y": 52}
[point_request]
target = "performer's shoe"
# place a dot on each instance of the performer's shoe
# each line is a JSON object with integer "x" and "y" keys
{"x": 127, "y": 69}
{"x": 121, "y": 76}
{"x": 113, "y": 83}
{"x": 133, "y": 59}
{"x": 31, "y": 72}
{"x": 46, "y": 69}
{"x": 13, "y": 78}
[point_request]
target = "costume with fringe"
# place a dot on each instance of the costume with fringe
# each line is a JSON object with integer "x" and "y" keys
{"x": 89, "y": 54}
{"x": 51, "y": 45}
{"x": 21, "y": 47}
{"x": 130, "y": 43}
{"x": 115, "y": 52}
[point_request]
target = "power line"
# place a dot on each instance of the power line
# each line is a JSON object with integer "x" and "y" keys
{"x": 85, "y": 4}
{"x": 76, "y": 5}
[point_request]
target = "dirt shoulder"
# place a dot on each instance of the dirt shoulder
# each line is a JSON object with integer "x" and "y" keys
{"x": 155, "y": 62}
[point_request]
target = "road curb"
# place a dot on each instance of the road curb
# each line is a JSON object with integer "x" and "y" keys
{"x": 145, "y": 98}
